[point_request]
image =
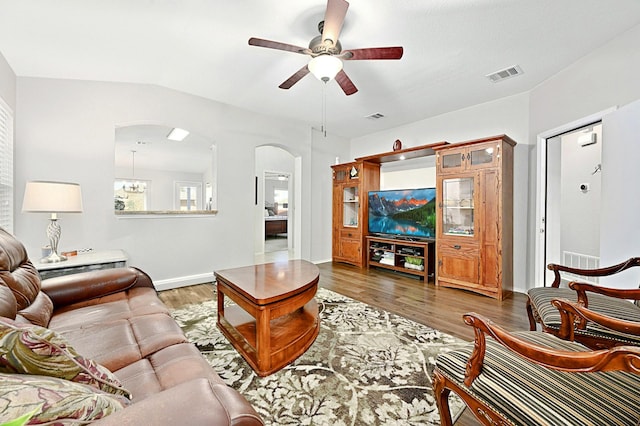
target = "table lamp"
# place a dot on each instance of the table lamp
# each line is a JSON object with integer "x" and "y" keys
{"x": 54, "y": 198}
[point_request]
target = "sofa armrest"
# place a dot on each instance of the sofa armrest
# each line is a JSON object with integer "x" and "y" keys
{"x": 69, "y": 289}
{"x": 196, "y": 402}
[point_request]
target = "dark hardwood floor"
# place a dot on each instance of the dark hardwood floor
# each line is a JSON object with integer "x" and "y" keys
{"x": 440, "y": 308}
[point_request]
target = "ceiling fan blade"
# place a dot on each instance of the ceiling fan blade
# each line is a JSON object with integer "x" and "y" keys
{"x": 295, "y": 78}
{"x": 278, "y": 46}
{"x": 372, "y": 53}
{"x": 333, "y": 19}
{"x": 345, "y": 83}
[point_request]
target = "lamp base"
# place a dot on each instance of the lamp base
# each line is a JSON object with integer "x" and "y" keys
{"x": 53, "y": 258}
{"x": 53, "y": 232}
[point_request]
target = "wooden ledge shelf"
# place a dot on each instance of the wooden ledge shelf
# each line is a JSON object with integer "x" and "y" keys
{"x": 403, "y": 154}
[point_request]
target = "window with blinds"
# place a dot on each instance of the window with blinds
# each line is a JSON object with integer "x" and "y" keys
{"x": 6, "y": 167}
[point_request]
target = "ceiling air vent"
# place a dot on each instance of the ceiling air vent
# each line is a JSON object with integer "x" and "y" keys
{"x": 505, "y": 73}
{"x": 375, "y": 116}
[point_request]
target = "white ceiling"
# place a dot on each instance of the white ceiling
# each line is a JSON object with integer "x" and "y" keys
{"x": 200, "y": 47}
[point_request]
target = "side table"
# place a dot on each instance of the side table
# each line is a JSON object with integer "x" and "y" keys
{"x": 84, "y": 262}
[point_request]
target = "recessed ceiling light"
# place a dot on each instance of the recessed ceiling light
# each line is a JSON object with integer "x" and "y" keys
{"x": 177, "y": 134}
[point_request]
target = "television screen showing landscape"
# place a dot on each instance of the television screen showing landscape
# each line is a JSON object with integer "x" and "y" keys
{"x": 409, "y": 212}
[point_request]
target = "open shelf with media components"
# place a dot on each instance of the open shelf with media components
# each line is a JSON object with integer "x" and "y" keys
{"x": 410, "y": 257}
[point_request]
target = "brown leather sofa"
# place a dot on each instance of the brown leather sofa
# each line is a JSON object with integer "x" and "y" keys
{"x": 115, "y": 318}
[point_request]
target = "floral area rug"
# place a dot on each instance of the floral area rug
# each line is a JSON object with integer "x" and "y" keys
{"x": 366, "y": 367}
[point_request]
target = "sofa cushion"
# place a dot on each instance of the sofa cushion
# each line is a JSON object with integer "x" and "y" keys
{"x": 121, "y": 305}
{"x": 39, "y": 312}
{"x": 116, "y": 344}
{"x": 16, "y": 270}
{"x": 196, "y": 402}
{"x": 37, "y": 350}
{"x": 7, "y": 303}
{"x": 165, "y": 369}
{"x": 541, "y": 298}
{"x": 54, "y": 401}
{"x": 525, "y": 393}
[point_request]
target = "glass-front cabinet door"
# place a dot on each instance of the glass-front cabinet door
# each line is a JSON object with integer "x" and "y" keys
{"x": 453, "y": 161}
{"x": 483, "y": 156}
{"x": 458, "y": 206}
{"x": 350, "y": 206}
{"x": 469, "y": 158}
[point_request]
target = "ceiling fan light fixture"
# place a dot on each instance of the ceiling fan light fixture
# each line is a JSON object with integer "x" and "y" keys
{"x": 325, "y": 67}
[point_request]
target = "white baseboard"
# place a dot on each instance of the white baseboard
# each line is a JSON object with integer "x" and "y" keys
{"x": 170, "y": 283}
{"x": 178, "y": 282}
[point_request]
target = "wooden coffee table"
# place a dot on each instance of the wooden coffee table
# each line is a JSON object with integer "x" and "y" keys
{"x": 275, "y": 318}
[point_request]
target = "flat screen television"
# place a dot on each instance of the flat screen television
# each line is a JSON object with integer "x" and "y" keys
{"x": 409, "y": 213}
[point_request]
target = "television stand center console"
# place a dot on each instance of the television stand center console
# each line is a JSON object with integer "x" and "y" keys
{"x": 402, "y": 255}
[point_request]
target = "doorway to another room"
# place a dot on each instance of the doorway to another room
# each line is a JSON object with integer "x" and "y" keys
{"x": 276, "y": 212}
{"x": 570, "y": 224}
{"x": 275, "y": 205}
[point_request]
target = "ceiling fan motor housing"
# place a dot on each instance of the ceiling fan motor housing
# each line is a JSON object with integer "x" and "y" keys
{"x": 330, "y": 47}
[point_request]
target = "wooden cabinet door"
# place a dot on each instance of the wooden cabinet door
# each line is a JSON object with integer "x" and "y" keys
{"x": 350, "y": 250}
{"x": 451, "y": 161}
{"x": 490, "y": 216}
{"x": 458, "y": 264}
{"x": 483, "y": 155}
{"x": 337, "y": 216}
{"x": 457, "y": 204}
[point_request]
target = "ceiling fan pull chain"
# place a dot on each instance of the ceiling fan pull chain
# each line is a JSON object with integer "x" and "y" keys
{"x": 324, "y": 109}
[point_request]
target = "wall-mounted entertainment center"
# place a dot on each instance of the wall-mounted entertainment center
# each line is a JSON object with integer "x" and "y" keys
{"x": 460, "y": 232}
{"x": 352, "y": 184}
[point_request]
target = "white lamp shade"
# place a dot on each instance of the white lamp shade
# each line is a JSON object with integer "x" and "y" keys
{"x": 52, "y": 197}
{"x": 325, "y": 67}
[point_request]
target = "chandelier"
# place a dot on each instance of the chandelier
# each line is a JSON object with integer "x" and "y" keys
{"x": 134, "y": 186}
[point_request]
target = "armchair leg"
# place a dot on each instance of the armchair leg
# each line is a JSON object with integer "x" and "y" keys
{"x": 532, "y": 318}
{"x": 441, "y": 393}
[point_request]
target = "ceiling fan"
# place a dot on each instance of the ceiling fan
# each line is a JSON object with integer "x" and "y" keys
{"x": 326, "y": 51}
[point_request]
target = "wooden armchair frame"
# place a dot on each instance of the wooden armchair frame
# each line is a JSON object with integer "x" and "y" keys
{"x": 621, "y": 358}
{"x": 576, "y": 314}
{"x": 581, "y": 290}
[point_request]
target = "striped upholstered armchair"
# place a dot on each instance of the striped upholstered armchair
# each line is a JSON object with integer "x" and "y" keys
{"x": 614, "y": 303}
{"x": 535, "y": 378}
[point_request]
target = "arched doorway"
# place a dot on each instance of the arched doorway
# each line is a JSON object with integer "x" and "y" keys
{"x": 275, "y": 204}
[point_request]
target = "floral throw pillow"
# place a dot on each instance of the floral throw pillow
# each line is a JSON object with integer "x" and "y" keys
{"x": 31, "y": 349}
{"x": 49, "y": 400}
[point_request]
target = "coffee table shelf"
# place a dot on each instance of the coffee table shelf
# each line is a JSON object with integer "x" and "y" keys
{"x": 283, "y": 343}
